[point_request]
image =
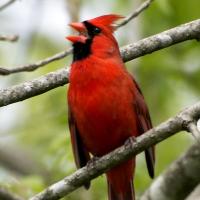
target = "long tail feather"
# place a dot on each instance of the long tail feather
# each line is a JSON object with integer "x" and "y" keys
{"x": 120, "y": 182}
{"x": 125, "y": 195}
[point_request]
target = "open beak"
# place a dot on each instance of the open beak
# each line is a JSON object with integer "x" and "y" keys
{"x": 82, "y": 37}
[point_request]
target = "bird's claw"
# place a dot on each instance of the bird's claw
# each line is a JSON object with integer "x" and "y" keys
{"x": 92, "y": 162}
{"x": 130, "y": 142}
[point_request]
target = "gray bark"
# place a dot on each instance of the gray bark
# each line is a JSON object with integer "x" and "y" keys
{"x": 125, "y": 152}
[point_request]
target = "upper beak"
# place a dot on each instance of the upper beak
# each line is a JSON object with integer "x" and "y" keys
{"x": 78, "y": 26}
{"x": 82, "y": 37}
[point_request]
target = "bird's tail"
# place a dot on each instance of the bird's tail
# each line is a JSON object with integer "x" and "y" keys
{"x": 120, "y": 182}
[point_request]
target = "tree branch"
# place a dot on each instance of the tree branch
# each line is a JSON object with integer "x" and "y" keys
{"x": 58, "y": 78}
{"x": 136, "y": 12}
{"x": 6, "y": 195}
{"x": 8, "y": 3}
{"x": 41, "y": 63}
{"x": 10, "y": 38}
{"x": 125, "y": 152}
{"x": 179, "y": 180}
{"x": 34, "y": 87}
{"x": 162, "y": 40}
{"x": 33, "y": 66}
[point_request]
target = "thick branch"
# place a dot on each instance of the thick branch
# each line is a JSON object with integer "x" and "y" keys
{"x": 136, "y": 12}
{"x": 6, "y": 195}
{"x": 10, "y": 38}
{"x": 34, "y": 87}
{"x": 33, "y": 66}
{"x": 125, "y": 152}
{"x": 55, "y": 79}
{"x": 179, "y": 180}
{"x": 162, "y": 40}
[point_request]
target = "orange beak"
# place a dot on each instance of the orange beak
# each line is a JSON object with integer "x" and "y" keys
{"x": 78, "y": 26}
{"x": 78, "y": 38}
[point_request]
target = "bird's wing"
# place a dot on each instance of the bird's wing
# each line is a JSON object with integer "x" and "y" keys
{"x": 81, "y": 155}
{"x": 144, "y": 124}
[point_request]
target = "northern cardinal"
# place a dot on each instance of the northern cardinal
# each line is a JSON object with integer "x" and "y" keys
{"x": 106, "y": 105}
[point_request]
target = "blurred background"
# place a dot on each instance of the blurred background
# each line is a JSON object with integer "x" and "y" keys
{"x": 35, "y": 148}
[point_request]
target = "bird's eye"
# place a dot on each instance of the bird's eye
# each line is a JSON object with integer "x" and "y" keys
{"x": 96, "y": 30}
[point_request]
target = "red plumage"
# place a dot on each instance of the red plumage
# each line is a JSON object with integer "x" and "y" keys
{"x": 106, "y": 106}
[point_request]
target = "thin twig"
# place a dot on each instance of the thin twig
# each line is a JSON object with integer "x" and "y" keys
{"x": 9, "y": 38}
{"x": 139, "y": 10}
{"x": 119, "y": 155}
{"x": 33, "y": 66}
{"x": 8, "y": 3}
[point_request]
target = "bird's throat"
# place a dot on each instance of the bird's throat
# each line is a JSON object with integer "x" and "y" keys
{"x": 81, "y": 50}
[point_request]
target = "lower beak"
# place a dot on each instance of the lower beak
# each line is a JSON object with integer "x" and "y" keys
{"x": 78, "y": 38}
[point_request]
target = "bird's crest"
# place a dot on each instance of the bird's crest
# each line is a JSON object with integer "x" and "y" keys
{"x": 106, "y": 21}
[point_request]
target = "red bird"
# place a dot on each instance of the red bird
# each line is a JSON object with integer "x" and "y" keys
{"x": 106, "y": 105}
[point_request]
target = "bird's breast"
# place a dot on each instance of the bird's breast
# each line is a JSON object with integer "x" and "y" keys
{"x": 103, "y": 110}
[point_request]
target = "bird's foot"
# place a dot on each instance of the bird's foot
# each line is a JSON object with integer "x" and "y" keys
{"x": 130, "y": 142}
{"x": 92, "y": 162}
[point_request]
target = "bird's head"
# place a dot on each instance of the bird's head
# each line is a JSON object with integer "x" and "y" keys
{"x": 94, "y": 35}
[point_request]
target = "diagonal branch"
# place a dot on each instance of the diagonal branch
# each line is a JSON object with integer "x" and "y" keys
{"x": 35, "y": 87}
{"x": 125, "y": 152}
{"x": 162, "y": 40}
{"x": 33, "y": 66}
{"x": 58, "y": 78}
{"x": 136, "y": 12}
{"x": 179, "y": 180}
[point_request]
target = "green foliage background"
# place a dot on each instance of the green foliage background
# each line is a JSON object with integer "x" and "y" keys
{"x": 169, "y": 79}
